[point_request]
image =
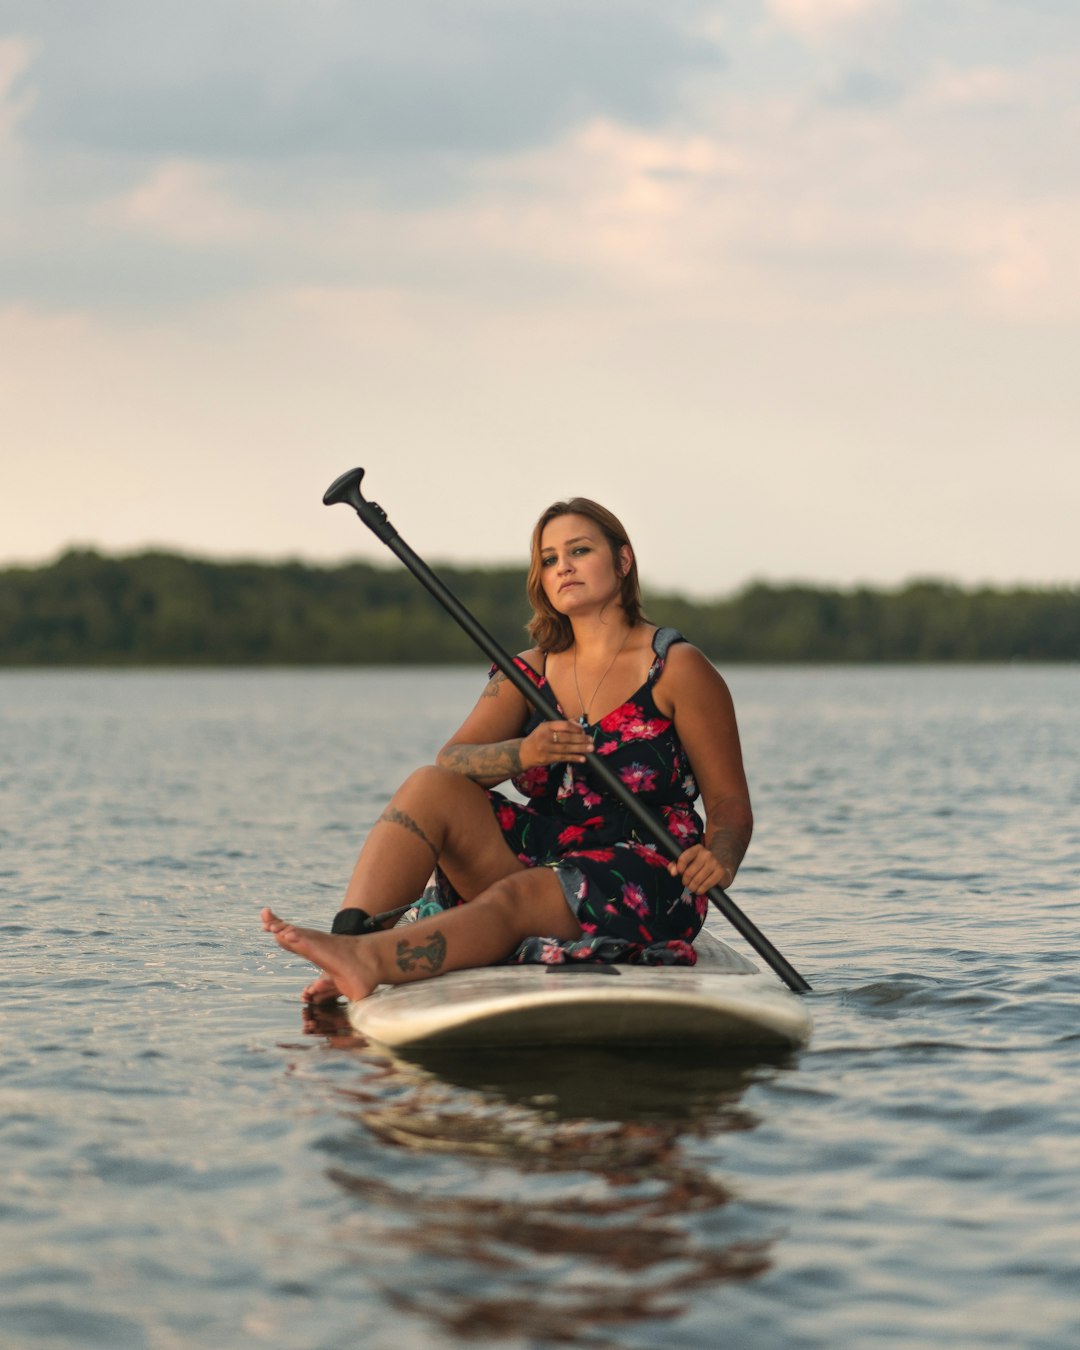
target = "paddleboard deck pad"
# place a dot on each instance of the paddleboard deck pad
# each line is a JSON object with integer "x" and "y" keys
{"x": 722, "y": 1004}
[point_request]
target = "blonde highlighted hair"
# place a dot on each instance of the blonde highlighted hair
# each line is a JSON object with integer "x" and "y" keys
{"x": 550, "y": 630}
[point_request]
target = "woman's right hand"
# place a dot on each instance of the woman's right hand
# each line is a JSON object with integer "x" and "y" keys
{"x": 555, "y": 743}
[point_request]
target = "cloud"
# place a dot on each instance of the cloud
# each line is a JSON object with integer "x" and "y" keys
{"x": 775, "y": 209}
{"x": 812, "y": 263}
{"x": 188, "y": 204}
{"x": 861, "y": 87}
{"x": 370, "y": 82}
{"x": 15, "y": 57}
{"x": 909, "y": 179}
{"x": 981, "y": 86}
{"x": 816, "y": 16}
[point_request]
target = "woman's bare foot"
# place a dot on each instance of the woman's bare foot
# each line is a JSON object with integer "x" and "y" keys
{"x": 343, "y": 959}
{"x": 321, "y": 990}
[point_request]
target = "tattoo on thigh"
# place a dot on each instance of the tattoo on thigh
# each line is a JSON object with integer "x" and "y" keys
{"x": 392, "y": 816}
{"x": 432, "y": 953}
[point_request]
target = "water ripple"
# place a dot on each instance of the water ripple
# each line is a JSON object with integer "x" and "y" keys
{"x": 192, "y": 1160}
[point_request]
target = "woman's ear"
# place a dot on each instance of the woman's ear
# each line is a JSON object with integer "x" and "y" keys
{"x": 626, "y": 560}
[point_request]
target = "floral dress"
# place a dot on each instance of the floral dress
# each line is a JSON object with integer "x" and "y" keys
{"x": 617, "y": 884}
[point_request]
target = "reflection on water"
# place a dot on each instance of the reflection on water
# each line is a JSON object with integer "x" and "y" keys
{"x": 600, "y": 1205}
{"x": 642, "y": 1084}
{"x": 622, "y": 1084}
{"x": 555, "y": 1268}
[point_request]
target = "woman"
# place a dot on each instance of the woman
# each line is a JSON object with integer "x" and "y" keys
{"x": 568, "y": 867}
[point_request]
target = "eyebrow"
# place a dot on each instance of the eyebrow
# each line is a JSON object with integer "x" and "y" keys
{"x": 577, "y": 539}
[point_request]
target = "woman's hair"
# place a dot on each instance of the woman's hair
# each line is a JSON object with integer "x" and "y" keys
{"x": 550, "y": 630}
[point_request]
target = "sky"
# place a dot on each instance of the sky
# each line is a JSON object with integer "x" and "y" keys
{"x": 793, "y": 286}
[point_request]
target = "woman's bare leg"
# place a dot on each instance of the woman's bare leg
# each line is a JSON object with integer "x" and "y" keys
{"x": 436, "y": 816}
{"x": 530, "y": 903}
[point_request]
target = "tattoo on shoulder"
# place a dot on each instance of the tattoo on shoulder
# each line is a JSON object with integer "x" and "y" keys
{"x": 491, "y": 689}
{"x": 426, "y": 957}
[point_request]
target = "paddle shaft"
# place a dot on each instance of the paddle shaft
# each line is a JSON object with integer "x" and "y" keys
{"x": 347, "y": 489}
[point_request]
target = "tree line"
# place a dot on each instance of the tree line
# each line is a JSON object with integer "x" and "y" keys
{"x": 159, "y": 608}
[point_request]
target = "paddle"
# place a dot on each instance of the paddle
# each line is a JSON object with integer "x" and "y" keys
{"x": 347, "y": 489}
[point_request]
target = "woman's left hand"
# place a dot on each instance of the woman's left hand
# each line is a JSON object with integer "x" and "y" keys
{"x": 701, "y": 870}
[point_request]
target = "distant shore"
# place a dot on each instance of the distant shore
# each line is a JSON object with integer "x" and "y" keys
{"x": 158, "y": 609}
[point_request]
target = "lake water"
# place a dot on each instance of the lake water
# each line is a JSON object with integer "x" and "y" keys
{"x": 188, "y": 1163}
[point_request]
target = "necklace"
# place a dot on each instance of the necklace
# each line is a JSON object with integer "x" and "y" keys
{"x": 584, "y": 718}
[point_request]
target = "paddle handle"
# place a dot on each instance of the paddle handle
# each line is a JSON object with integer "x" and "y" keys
{"x": 347, "y": 489}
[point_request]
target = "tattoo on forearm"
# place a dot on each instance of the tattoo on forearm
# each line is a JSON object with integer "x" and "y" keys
{"x": 392, "y": 816}
{"x": 427, "y": 956}
{"x": 491, "y": 689}
{"x": 728, "y": 844}
{"x": 499, "y": 761}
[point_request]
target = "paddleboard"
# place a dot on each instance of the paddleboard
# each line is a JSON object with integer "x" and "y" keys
{"x": 724, "y": 1004}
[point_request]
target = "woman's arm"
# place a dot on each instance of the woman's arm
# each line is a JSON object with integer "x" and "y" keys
{"x": 704, "y": 717}
{"x": 488, "y": 746}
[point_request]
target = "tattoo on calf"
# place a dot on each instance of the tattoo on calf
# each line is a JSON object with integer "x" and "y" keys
{"x": 392, "y": 816}
{"x": 432, "y": 953}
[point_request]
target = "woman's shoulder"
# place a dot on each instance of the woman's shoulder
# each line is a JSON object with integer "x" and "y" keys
{"x": 679, "y": 654}
{"x": 535, "y": 659}
{"x": 530, "y": 663}
{"x": 688, "y": 673}
{"x": 684, "y": 657}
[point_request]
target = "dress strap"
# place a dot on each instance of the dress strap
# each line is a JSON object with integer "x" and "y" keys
{"x": 525, "y": 668}
{"x": 664, "y": 639}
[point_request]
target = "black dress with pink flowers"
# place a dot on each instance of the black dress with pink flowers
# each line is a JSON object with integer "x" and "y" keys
{"x": 629, "y": 906}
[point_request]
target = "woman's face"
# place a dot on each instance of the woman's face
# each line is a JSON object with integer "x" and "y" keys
{"x": 576, "y": 564}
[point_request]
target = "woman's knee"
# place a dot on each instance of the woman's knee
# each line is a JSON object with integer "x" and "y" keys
{"x": 530, "y": 904}
{"x": 427, "y": 775}
{"x": 432, "y": 783}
